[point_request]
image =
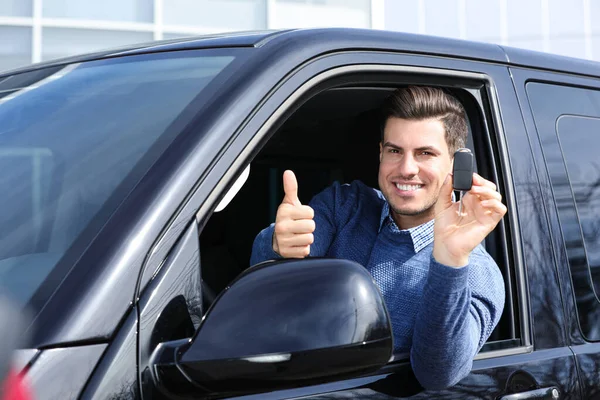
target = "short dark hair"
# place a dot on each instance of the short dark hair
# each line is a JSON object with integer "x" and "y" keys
{"x": 422, "y": 102}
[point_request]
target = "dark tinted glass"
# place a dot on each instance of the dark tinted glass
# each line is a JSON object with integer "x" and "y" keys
{"x": 568, "y": 122}
{"x": 70, "y": 138}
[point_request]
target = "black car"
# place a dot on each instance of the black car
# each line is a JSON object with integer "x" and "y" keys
{"x": 134, "y": 182}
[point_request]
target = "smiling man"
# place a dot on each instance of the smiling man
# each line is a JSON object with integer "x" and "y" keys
{"x": 444, "y": 293}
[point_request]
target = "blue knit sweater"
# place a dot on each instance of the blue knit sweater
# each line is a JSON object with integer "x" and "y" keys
{"x": 441, "y": 315}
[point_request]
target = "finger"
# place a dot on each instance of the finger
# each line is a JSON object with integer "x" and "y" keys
{"x": 301, "y": 240}
{"x": 474, "y": 202}
{"x": 290, "y": 227}
{"x": 478, "y": 180}
{"x": 287, "y": 211}
{"x": 495, "y": 207}
{"x": 485, "y": 193}
{"x": 290, "y": 188}
{"x": 301, "y": 226}
{"x": 298, "y": 252}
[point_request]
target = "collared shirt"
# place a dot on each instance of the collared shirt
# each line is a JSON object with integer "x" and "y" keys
{"x": 353, "y": 222}
{"x": 422, "y": 235}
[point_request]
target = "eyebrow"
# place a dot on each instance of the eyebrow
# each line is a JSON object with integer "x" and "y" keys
{"x": 423, "y": 148}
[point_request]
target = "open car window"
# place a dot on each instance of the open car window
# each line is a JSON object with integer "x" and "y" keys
{"x": 334, "y": 136}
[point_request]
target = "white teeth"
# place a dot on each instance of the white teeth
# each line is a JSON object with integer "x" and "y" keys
{"x": 407, "y": 187}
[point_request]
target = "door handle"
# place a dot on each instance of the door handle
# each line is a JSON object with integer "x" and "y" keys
{"x": 550, "y": 393}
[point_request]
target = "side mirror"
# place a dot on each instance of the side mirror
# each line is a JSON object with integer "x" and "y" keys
{"x": 282, "y": 325}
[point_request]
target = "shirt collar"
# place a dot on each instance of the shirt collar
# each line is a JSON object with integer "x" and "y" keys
{"x": 421, "y": 235}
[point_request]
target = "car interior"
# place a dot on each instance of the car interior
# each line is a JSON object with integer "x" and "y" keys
{"x": 332, "y": 136}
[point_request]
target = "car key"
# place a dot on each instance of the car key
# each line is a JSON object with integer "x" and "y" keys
{"x": 462, "y": 178}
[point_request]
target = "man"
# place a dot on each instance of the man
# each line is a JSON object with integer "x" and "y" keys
{"x": 444, "y": 293}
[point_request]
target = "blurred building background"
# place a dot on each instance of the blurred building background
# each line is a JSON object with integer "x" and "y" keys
{"x": 39, "y": 30}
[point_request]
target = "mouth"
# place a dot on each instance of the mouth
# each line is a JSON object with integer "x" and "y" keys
{"x": 407, "y": 188}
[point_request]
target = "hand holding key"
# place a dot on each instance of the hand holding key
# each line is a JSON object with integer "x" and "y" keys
{"x": 294, "y": 223}
{"x": 460, "y": 227}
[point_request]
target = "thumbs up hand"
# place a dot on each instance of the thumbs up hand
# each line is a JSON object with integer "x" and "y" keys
{"x": 294, "y": 224}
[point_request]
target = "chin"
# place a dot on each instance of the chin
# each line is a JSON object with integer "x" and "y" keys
{"x": 409, "y": 213}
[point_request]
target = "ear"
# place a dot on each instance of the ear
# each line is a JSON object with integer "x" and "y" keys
{"x": 380, "y": 151}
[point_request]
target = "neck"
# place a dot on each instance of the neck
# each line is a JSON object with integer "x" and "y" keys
{"x": 410, "y": 221}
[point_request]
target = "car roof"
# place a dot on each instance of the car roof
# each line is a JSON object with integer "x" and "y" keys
{"x": 326, "y": 40}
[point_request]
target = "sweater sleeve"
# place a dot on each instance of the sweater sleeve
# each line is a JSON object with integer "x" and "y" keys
{"x": 460, "y": 308}
{"x": 326, "y": 205}
{"x": 262, "y": 248}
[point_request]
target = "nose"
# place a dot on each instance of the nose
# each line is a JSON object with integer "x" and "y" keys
{"x": 408, "y": 166}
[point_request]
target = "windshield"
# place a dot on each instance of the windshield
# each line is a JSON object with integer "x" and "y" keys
{"x": 70, "y": 135}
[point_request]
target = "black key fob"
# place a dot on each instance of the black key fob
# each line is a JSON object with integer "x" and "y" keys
{"x": 463, "y": 170}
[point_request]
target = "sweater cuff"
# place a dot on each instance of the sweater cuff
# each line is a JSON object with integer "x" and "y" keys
{"x": 262, "y": 250}
{"x": 443, "y": 278}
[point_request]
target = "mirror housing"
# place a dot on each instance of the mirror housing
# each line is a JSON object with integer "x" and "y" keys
{"x": 281, "y": 325}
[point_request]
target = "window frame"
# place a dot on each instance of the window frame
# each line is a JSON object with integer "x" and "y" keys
{"x": 491, "y": 122}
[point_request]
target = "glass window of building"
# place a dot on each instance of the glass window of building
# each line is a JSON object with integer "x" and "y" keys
{"x": 483, "y": 20}
{"x": 595, "y": 16}
{"x": 105, "y": 10}
{"x": 596, "y": 47}
{"x": 595, "y": 20}
{"x": 524, "y": 20}
{"x": 441, "y": 18}
{"x": 322, "y": 13}
{"x": 217, "y": 15}
{"x": 536, "y": 44}
{"x": 176, "y": 35}
{"x": 63, "y": 42}
{"x": 15, "y": 47}
{"x": 402, "y": 16}
{"x": 571, "y": 46}
{"x": 16, "y": 8}
{"x": 566, "y": 19}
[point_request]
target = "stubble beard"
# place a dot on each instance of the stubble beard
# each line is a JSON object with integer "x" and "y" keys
{"x": 413, "y": 213}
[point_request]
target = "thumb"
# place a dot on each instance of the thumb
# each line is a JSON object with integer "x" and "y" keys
{"x": 290, "y": 188}
{"x": 445, "y": 199}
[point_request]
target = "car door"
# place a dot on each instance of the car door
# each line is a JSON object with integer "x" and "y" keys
{"x": 563, "y": 117}
{"x": 531, "y": 357}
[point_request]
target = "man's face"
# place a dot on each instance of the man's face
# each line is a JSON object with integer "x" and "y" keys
{"x": 414, "y": 162}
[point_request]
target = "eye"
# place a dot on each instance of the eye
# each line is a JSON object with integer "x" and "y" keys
{"x": 393, "y": 151}
{"x": 426, "y": 153}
